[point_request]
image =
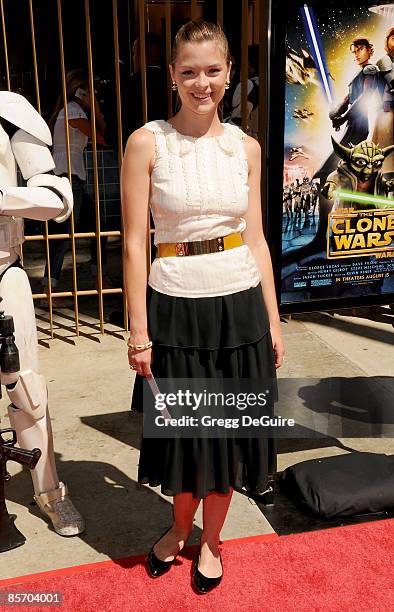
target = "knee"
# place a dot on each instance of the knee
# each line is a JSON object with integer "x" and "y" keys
{"x": 29, "y": 394}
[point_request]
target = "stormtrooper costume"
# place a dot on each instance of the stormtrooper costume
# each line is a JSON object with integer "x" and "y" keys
{"x": 45, "y": 196}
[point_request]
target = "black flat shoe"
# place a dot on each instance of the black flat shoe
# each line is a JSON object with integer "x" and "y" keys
{"x": 201, "y": 583}
{"x": 156, "y": 566}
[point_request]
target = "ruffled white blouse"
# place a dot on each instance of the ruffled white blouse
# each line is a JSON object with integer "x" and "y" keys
{"x": 199, "y": 191}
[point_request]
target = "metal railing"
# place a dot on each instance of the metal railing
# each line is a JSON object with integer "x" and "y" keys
{"x": 143, "y": 13}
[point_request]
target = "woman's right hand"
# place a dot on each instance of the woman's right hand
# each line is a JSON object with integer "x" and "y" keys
{"x": 140, "y": 361}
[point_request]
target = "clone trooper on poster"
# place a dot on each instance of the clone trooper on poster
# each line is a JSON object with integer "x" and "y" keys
{"x": 383, "y": 132}
{"x": 44, "y": 197}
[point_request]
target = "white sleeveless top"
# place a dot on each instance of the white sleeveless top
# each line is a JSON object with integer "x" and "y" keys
{"x": 78, "y": 142}
{"x": 199, "y": 191}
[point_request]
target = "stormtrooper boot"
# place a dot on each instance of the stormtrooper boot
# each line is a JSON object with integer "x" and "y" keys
{"x": 58, "y": 507}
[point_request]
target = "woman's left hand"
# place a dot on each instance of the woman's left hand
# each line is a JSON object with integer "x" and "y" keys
{"x": 277, "y": 344}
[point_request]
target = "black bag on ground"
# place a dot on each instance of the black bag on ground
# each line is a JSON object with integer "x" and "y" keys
{"x": 344, "y": 485}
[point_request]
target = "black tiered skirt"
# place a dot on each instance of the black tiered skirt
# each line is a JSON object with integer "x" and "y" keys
{"x": 217, "y": 337}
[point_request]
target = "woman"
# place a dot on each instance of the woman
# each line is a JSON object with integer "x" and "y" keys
{"x": 201, "y": 179}
{"x": 80, "y": 131}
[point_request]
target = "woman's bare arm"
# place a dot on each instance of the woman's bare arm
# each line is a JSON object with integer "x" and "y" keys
{"x": 83, "y": 125}
{"x": 135, "y": 188}
{"x": 254, "y": 237}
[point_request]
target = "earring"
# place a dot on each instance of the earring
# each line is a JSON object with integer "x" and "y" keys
{"x": 227, "y": 85}
{"x": 174, "y": 86}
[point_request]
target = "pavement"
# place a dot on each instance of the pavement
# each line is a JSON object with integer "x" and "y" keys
{"x": 97, "y": 437}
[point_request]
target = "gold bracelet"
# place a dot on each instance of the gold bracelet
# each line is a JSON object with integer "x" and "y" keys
{"x": 139, "y": 347}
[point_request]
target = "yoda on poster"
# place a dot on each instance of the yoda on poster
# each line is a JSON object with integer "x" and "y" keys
{"x": 338, "y": 151}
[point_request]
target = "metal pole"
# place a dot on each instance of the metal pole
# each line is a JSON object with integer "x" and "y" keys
{"x": 95, "y": 165}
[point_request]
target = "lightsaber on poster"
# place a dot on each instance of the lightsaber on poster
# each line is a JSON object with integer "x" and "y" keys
{"x": 360, "y": 198}
{"x": 317, "y": 48}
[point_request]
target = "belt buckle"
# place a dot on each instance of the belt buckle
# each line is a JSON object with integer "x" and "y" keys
{"x": 181, "y": 249}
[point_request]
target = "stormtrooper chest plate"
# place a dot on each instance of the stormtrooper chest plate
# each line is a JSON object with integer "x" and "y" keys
{"x": 8, "y": 177}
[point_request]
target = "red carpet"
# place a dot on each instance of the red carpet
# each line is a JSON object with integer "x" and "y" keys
{"x": 346, "y": 569}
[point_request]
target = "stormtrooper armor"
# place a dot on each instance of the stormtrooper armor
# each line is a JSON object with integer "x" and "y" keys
{"x": 44, "y": 197}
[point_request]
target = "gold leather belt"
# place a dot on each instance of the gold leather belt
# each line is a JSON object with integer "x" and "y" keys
{"x": 199, "y": 247}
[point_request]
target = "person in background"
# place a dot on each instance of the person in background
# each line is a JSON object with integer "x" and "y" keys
{"x": 80, "y": 131}
{"x": 234, "y": 114}
{"x": 156, "y": 85}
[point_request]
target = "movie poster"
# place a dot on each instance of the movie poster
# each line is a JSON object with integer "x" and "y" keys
{"x": 338, "y": 181}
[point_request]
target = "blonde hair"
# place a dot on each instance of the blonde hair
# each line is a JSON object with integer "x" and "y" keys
{"x": 198, "y": 31}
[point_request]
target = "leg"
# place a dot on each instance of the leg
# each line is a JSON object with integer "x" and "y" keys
{"x": 57, "y": 251}
{"x": 91, "y": 221}
{"x": 106, "y": 281}
{"x": 215, "y": 507}
{"x": 58, "y": 248}
{"x": 184, "y": 509}
{"x": 28, "y": 411}
{"x": 93, "y": 251}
